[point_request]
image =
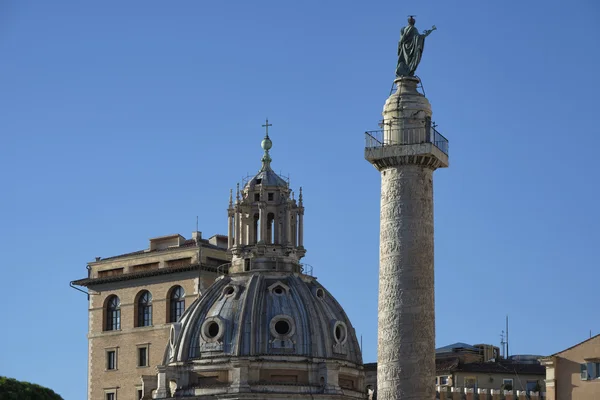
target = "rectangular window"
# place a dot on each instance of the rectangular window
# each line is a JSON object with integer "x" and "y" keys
{"x": 271, "y": 195}
{"x": 111, "y": 359}
{"x": 110, "y": 272}
{"x": 180, "y": 262}
{"x": 531, "y": 386}
{"x": 144, "y": 267}
{"x": 443, "y": 380}
{"x": 256, "y": 196}
{"x": 590, "y": 370}
{"x": 110, "y": 396}
{"x": 470, "y": 382}
{"x": 139, "y": 394}
{"x": 143, "y": 356}
{"x": 506, "y": 383}
{"x": 584, "y": 372}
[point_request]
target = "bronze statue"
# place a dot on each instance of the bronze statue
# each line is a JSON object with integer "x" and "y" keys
{"x": 410, "y": 48}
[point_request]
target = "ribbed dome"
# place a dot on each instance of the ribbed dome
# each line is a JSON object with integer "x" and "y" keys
{"x": 260, "y": 314}
{"x": 267, "y": 177}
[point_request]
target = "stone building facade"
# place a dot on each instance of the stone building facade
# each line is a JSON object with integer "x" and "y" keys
{"x": 574, "y": 373}
{"x": 133, "y": 300}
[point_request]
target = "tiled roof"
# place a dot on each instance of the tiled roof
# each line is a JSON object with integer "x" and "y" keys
{"x": 446, "y": 364}
{"x": 503, "y": 367}
{"x": 187, "y": 243}
{"x": 144, "y": 274}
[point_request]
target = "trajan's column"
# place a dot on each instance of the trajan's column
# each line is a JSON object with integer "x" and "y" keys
{"x": 406, "y": 152}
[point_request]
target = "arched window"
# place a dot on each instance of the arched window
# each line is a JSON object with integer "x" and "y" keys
{"x": 113, "y": 313}
{"x": 177, "y": 304}
{"x": 144, "y": 309}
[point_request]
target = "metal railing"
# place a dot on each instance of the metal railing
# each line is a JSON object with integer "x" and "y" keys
{"x": 406, "y": 136}
{"x": 223, "y": 269}
{"x": 306, "y": 269}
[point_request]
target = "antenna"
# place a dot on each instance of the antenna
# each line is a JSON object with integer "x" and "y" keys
{"x": 361, "y": 343}
{"x": 507, "y": 336}
{"x": 502, "y": 343}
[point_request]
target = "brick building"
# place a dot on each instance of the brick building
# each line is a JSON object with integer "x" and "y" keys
{"x": 133, "y": 300}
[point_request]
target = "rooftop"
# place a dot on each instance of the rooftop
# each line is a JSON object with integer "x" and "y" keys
{"x": 183, "y": 243}
{"x": 143, "y": 274}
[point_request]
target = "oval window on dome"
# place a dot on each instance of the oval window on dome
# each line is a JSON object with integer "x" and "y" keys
{"x": 212, "y": 329}
{"x": 320, "y": 293}
{"x": 340, "y": 332}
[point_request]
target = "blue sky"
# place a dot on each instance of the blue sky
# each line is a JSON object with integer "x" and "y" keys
{"x": 122, "y": 121}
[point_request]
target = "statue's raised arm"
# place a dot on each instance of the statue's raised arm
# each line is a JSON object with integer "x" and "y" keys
{"x": 410, "y": 48}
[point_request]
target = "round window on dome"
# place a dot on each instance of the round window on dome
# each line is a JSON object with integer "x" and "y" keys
{"x": 320, "y": 293}
{"x": 228, "y": 291}
{"x": 340, "y": 332}
{"x": 212, "y": 330}
{"x": 278, "y": 290}
{"x": 282, "y": 326}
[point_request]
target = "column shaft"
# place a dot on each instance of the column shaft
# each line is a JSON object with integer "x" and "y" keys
{"x": 229, "y": 231}
{"x": 301, "y": 228}
{"x": 263, "y": 223}
{"x": 238, "y": 228}
{"x": 406, "y": 340}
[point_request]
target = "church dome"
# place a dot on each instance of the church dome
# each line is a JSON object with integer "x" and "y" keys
{"x": 262, "y": 314}
{"x": 267, "y": 178}
{"x": 266, "y": 329}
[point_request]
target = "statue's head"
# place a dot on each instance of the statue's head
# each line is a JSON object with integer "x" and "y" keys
{"x": 411, "y": 21}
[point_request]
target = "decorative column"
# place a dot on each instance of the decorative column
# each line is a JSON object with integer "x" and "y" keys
{"x": 276, "y": 227}
{"x": 288, "y": 224}
{"x": 262, "y": 219}
{"x": 238, "y": 217}
{"x": 295, "y": 228}
{"x": 406, "y": 317}
{"x": 230, "y": 224}
{"x": 300, "y": 220}
{"x": 238, "y": 226}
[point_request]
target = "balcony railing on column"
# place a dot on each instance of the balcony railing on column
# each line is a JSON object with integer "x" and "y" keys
{"x": 406, "y": 136}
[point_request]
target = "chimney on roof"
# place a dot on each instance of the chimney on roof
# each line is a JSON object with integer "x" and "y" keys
{"x": 98, "y": 258}
{"x": 197, "y": 235}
